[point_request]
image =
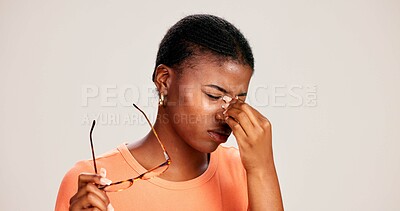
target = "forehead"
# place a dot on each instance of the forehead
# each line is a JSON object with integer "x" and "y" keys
{"x": 226, "y": 73}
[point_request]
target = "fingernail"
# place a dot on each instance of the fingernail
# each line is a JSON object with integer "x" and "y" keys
{"x": 224, "y": 112}
{"x": 105, "y": 181}
{"x": 224, "y": 106}
{"x": 227, "y": 99}
{"x": 110, "y": 207}
{"x": 103, "y": 172}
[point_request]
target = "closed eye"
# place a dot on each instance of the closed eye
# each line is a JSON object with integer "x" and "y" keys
{"x": 213, "y": 96}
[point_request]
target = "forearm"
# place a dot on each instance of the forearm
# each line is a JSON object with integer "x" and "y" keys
{"x": 263, "y": 189}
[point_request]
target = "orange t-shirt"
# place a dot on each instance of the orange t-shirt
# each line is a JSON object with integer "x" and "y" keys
{"x": 223, "y": 186}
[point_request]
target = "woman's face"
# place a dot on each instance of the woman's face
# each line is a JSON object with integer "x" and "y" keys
{"x": 195, "y": 100}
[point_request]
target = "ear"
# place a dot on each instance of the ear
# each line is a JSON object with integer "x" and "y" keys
{"x": 163, "y": 78}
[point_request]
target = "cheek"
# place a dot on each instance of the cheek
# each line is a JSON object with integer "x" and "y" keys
{"x": 201, "y": 103}
{"x": 194, "y": 109}
{"x": 199, "y": 114}
{"x": 187, "y": 96}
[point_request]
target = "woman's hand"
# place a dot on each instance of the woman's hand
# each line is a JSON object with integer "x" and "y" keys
{"x": 253, "y": 134}
{"x": 89, "y": 197}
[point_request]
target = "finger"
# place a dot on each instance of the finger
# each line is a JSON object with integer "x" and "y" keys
{"x": 92, "y": 209}
{"x": 88, "y": 183}
{"x": 91, "y": 188}
{"x": 90, "y": 201}
{"x": 241, "y": 118}
{"x": 255, "y": 112}
{"x": 237, "y": 130}
{"x": 96, "y": 201}
{"x": 85, "y": 178}
{"x": 227, "y": 99}
{"x": 250, "y": 111}
{"x": 110, "y": 207}
{"x": 262, "y": 122}
{"x": 103, "y": 172}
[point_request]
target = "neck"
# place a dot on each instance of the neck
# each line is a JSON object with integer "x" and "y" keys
{"x": 186, "y": 162}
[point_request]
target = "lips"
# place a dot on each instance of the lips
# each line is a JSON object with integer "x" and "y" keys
{"x": 219, "y": 136}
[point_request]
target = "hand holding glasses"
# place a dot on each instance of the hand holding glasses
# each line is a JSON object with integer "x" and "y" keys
{"x": 153, "y": 172}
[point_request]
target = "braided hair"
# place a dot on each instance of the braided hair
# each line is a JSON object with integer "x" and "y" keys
{"x": 200, "y": 34}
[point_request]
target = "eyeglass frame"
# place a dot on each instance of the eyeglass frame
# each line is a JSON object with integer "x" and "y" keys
{"x": 132, "y": 180}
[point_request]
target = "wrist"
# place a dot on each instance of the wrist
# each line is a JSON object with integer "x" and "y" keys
{"x": 266, "y": 170}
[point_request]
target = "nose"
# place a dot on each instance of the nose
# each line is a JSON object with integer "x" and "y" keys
{"x": 219, "y": 116}
{"x": 225, "y": 103}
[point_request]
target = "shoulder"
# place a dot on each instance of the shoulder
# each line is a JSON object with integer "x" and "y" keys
{"x": 232, "y": 178}
{"x": 87, "y": 166}
{"x": 230, "y": 162}
{"x": 229, "y": 154}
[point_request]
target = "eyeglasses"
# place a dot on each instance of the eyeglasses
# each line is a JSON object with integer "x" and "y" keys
{"x": 153, "y": 172}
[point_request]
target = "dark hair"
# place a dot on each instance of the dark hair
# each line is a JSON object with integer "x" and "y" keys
{"x": 203, "y": 33}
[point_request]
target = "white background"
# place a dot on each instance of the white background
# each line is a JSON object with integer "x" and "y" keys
{"x": 339, "y": 154}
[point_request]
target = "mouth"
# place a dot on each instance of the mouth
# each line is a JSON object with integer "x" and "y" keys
{"x": 219, "y": 136}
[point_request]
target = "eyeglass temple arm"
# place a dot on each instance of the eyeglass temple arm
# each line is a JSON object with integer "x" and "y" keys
{"x": 91, "y": 145}
{"x": 154, "y": 131}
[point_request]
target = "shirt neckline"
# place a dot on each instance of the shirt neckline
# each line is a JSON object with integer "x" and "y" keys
{"x": 172, "y": 185}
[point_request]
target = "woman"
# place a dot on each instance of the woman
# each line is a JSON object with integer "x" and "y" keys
{"x": 202, "y": 74}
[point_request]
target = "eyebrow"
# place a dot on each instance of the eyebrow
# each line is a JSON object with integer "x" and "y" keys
{"x": 223, "y": 90}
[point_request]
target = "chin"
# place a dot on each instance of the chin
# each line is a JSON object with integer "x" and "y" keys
{"x": 207, "y": 147}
